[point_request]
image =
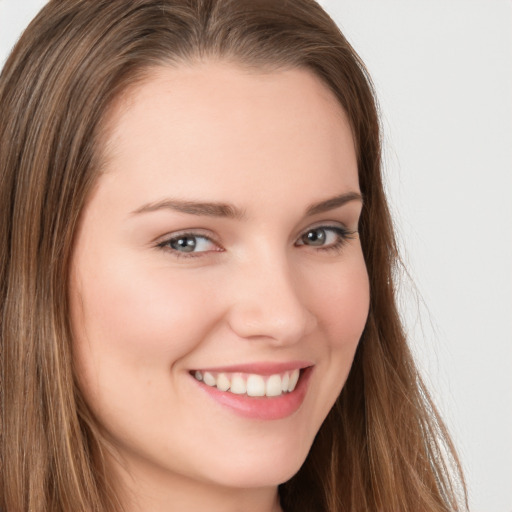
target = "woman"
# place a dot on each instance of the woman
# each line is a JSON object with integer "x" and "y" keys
{"x": 197, "y": 270}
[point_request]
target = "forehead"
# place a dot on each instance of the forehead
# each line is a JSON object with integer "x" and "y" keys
{"x": 212, "y": 124}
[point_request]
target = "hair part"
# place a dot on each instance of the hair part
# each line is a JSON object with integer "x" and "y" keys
{"x": 382, "y": 446}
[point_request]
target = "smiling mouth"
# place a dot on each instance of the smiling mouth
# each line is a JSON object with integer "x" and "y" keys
{"x": 250, "y": 384}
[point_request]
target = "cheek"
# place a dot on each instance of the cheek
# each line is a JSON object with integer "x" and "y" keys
{"x": 130, "y": 325}
{"x": 342, "y": 299}
{"x": 140, "y": 312}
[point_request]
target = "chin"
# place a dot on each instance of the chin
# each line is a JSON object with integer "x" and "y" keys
{"x": 268, "y": 469}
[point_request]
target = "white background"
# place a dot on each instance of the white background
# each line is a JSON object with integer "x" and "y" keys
{"x": 443, "y": 74}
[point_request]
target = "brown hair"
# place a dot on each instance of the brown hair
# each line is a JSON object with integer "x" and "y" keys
{"x": 382, "y": 447}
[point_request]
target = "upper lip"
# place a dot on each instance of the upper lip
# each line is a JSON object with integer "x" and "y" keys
{"x": 260, "y": 368}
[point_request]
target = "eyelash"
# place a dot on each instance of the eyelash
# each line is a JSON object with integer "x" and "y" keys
{"x": 342, "y": 234}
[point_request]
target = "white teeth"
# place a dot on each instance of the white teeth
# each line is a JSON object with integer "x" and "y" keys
{"x": 251, "y": 384}
{"x": 274, "y": 386}
{"x": 284, "y": 382}
{"x": 238, "y": 385}
{"x": 294, "y": 377}
{"x": 209, "y": 379}
{"x": 255, "y": 385}
{"x": 223, "y": 382}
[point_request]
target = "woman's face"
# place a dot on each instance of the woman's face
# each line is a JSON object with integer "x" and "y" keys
{"x": 219, "y": 249}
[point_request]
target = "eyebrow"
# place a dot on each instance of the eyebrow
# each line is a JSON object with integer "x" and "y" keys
{"x": 194, "y": 208}
{"x": 333, "y": 203}
{"x": 230, "y": 211}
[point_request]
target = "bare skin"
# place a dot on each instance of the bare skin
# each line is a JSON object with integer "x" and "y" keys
{"x": 161, "y": 288}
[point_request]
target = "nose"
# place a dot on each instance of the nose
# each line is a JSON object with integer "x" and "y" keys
{"x": 268, "y": 302}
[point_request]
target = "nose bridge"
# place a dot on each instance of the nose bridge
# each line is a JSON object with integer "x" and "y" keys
{"x": 267, "y": 303}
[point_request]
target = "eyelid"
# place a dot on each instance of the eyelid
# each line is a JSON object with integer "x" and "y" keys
{"x": 335, "y": 225}
{"x": 205, "y": 233}
{"x": 343, "y": 233}
{"x": 163, "y": 242}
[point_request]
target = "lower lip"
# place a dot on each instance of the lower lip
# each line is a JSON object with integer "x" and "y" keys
{"x": 262, "y": 407}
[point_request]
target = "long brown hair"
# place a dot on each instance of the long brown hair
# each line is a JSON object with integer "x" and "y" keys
{"x": 382, "y": 447}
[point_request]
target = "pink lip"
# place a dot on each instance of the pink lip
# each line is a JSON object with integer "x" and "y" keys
{"x": 261, "y": 408}
{"x": 259, "y": 368}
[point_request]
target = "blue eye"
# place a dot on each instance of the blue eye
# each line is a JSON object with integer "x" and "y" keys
{"x": 322, "y": 238}
{"x": 325, "y": 237}
{"x": 187, "y": 243}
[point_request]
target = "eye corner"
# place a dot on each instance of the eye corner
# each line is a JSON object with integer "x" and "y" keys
{"x": 188, "y": 244}
{"x": 329, "y": 237}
